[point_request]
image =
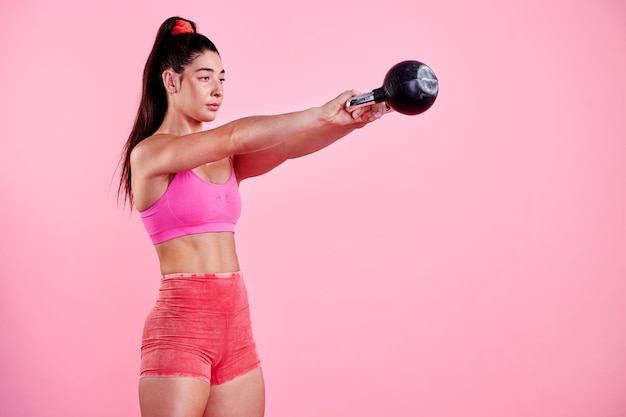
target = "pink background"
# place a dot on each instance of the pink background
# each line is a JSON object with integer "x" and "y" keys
{"x": 470, "y": 261}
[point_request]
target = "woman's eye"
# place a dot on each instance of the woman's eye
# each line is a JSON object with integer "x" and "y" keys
{"x": 222, "y": 80}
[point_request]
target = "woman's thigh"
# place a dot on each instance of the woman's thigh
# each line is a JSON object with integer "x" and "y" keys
{"x": 243, "y": 396}
{"x": 172, "y": 396}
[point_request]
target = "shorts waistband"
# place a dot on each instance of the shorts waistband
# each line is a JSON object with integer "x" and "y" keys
{"x": 209, "y": 275}
{"x": 223, "y": 292}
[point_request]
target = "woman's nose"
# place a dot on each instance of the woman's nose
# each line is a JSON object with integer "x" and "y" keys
{"x": 218, "y": 90}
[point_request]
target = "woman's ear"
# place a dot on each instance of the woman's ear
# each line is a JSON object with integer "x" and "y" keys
{"x": 169, "y": 81}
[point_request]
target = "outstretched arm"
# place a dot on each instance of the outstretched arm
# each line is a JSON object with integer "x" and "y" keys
{"x": 257, "y": 163}
{"x": 166, "y": 154}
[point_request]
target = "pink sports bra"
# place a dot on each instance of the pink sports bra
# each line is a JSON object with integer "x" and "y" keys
{"x": 193, "y": 205}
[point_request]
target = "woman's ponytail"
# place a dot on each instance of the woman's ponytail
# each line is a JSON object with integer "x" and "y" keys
{"x": 176, "y": 45}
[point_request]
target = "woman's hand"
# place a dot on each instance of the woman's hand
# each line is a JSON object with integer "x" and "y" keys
{"x": 335, "y": 111}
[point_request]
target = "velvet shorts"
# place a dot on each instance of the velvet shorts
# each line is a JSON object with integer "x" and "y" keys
{"x": 200, "y": 327}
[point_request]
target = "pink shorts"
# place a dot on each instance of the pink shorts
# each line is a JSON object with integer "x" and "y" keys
{"x": 200, "y": 327}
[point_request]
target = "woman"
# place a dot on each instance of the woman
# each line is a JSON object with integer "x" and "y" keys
{"x": 198, "y": 357}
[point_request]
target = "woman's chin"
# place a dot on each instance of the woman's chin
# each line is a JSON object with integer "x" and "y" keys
{"x": 209, "y": 117}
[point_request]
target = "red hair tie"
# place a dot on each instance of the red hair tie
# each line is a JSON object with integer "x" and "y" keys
{"x": 182, "y": 26}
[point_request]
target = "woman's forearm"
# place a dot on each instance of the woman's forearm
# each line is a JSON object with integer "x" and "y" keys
{"x": 313, "y": 140}
{"x": 257, "y": 133}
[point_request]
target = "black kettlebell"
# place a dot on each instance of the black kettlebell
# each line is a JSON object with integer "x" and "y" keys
{"x": 410, "y": 87}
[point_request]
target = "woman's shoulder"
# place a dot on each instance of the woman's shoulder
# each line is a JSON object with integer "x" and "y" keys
{"x": 157, "y": 138}
{"x": 149, "y": 146}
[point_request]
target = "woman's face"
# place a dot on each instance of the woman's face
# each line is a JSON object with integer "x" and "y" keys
{"x": 201, "y": 89}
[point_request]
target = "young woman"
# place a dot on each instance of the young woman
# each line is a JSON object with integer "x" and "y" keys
{"x": 198, "y": 356}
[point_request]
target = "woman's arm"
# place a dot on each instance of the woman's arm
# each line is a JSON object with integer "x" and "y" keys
{"x": 165, "y": 154}
{"x": 258, "y": 163}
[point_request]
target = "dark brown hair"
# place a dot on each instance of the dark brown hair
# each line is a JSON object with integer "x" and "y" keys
{"x": 168, "y": 52}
